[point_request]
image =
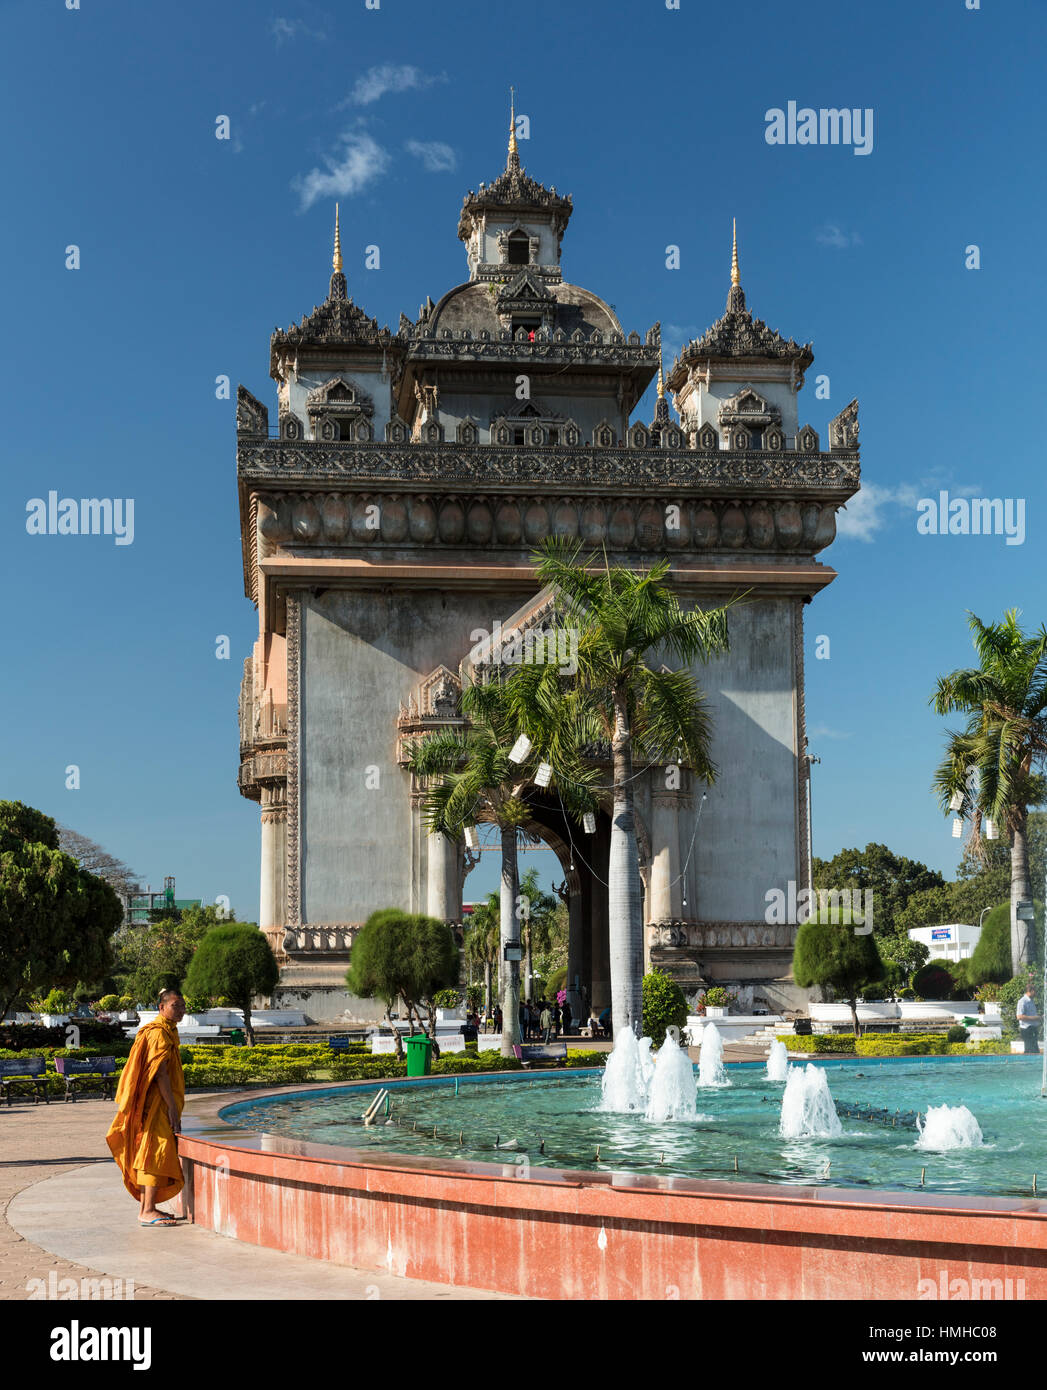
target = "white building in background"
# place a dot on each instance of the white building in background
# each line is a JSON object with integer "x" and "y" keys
{"x": 952, "y": 941}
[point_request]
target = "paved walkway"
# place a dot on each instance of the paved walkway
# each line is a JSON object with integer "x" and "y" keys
{"x": 66, "y": 1214}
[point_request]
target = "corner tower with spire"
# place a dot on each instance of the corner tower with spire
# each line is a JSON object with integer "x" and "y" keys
{"x": 740, "y": 379}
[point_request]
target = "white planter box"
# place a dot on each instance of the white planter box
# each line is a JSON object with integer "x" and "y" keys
{"x": 992, "y": 1010}
{"x": 450, "y": 1015}
{"x": 711, "y": 1011}
{"x": 54, "y": 1020}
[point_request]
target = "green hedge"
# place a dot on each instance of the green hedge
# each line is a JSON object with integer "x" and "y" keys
{"x": 902, "y": 1045}
{"x": 820, "y": 1042}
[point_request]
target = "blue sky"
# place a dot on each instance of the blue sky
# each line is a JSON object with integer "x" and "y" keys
{"x": 192, "y": 249}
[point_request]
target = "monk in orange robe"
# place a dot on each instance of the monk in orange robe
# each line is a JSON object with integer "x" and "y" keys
{"x": 149, "y": 1103}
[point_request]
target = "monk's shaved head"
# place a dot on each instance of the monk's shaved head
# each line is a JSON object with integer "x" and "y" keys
{"x": 169, "y": 994}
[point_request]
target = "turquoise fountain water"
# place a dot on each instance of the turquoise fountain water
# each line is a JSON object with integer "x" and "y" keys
{"x": 557, "y": 1120}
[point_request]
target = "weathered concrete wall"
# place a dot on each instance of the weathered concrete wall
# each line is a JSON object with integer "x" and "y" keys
{"x": 362, "y": 654}
{"x": 747, "y": 841}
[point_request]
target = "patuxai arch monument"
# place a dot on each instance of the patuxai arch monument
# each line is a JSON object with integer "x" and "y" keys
{"x": 390, "y": 516}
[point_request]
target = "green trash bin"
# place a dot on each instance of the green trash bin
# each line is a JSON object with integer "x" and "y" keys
{"x": 419, "y": 1055}
{"x": 236, "y": 1037}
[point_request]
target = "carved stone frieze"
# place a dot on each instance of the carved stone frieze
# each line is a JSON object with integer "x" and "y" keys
{"x": 653, "y": 523}
{"x": 607, "y": 465}
{"x": 722, "y": 935}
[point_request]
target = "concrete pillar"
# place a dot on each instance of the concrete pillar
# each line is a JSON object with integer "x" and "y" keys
{"x": 272, "y": 906}
{"x": 574, "y": 952}
{"x": 442, "y": 882}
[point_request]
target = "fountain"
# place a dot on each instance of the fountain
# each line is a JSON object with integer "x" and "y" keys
{"x": 711, "y": 1070}
{"x": 647, "y": 1063}
{"x": 625, "y": 1077}
{"x": 672, "y": 1095}
{"x": 778, "y": 1061}
{"x": 807, "y": 1105}
{"x": 949, "y": 1127}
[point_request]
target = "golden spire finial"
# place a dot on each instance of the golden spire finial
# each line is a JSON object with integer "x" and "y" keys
{"x": 661, "y": 378}
{"x": 514, "y": 152}
{"x": 736, "y": 278}
{"x": 336, "y": 259}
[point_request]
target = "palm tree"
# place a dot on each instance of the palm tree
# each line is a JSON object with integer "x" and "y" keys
{"x": 482, "y": 942}
{"x": 624, "y": 621}
{"x": 473, "y": 778}
{"x": 1002, "y": 748}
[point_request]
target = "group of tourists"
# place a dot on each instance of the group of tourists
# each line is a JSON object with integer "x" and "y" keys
{"x": 540, "y": 1020}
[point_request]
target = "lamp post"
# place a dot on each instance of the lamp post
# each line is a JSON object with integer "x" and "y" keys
{"x": 809, "y": 758}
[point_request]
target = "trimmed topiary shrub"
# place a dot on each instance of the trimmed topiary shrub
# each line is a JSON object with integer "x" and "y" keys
{"x": 956, "y": 1034}
{"x": 991, "y": 958}
{"x": 934, "y": 981}
{"x": 664, "y": 1006}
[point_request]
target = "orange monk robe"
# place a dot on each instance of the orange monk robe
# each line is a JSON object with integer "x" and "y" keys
{"x": 140, "y": 1137}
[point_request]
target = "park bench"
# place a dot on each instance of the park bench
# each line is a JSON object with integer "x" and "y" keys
{"x": 86, "y": 1073}
{"x": 18, "y": 1072}
{"x": 552, "y": 1054}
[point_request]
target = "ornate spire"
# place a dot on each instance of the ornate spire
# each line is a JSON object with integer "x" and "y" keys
{"x": 736, "y": 278}
{"x": 661, "y": 405}
{"x": 736, "y": 295}
{"x": 513, "y": 162}
{"x": 339, "y": 289}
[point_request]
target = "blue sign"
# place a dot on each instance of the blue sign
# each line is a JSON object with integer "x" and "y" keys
{"x": 941, "y": 933}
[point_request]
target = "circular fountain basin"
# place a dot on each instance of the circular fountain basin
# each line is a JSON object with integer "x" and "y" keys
{"x": 660, "y": 1209}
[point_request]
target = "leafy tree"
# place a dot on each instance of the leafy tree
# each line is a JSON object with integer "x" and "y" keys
{"x": 664, "y": 1006}
{"x": 892, "y": 878}
{"x": 628, "y": 624}
{"x": 56, "y": 919}
{"x": 155, "y": 956}
{"x": 831, "y": 955}
{"x": 234, "y": 960}
{"x": 990, "y": 961}
{"x": 98, "y": 861}
{"x": 901, "y": 957}
{"x": 996, "y": 763}
{"x": 406, "y": 956}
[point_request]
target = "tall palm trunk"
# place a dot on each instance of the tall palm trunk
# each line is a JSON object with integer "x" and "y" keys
{"x": 529, "y": 973}
{"x": 624, "y": 905}
{"x": 1023, "y": 938}
{"x": 488, "y": 1001}
{"x": 509, "y": 931}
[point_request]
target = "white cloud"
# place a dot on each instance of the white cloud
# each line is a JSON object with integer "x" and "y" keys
{"x": 872, "y": 508}
{"x": 832, "y": 235}
{"x": 675, "y": 337}
{"x": 283, "y": 30}
{"x": 377, "y": 81}
{"x": 360, "y": 161}
{"x": 823, "y": 731}
{"x": 437, "y": 157}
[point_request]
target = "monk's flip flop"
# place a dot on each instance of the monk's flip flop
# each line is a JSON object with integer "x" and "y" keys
{"x": 161, "y": 1221}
